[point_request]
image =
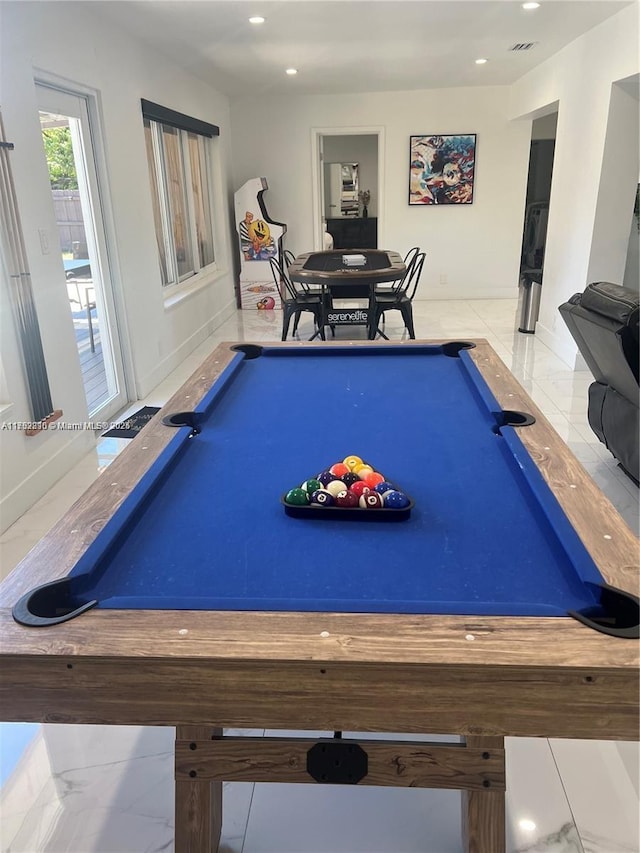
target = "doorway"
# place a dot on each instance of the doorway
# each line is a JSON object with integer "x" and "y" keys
{"x": 67, "y": 136}
{"x": 543, "y": 140}
{"x": 536, "y": 217}
{"x": 351, "y": 212}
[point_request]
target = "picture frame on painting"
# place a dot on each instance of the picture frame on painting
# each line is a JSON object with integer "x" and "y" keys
{"x": 442, "y": 168}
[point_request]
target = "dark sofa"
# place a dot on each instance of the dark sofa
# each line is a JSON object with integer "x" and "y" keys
{"x": 604, "y": 323}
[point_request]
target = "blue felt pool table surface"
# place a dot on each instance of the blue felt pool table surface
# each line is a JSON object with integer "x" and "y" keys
{"x": 205, "y": 528}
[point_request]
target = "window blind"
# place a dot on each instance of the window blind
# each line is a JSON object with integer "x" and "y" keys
{"x": 163, "y": 115}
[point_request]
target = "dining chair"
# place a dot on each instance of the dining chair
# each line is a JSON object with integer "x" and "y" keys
{"x": 399, "y": 298}
{"x": 391, "y": 286}
{"x": 312, "y": 290}
{"x": 294, "y": 302}
{"x": 409, "y": 257}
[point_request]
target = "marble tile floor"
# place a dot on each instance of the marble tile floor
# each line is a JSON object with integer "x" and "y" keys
{"x": 93, "y": 789}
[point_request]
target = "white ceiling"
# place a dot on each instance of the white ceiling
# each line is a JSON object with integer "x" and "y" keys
{"x": 341, "y": 46}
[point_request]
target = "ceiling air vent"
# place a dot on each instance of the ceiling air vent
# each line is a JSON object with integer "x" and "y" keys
{"x": 525, "y": 45}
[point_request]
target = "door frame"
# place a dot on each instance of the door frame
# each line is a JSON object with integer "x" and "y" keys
{"x": 118, "y": 324}
{"x": 317, "y": 174}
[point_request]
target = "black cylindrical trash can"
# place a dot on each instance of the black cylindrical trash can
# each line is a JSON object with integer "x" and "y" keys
{"x": 530, "y": 292}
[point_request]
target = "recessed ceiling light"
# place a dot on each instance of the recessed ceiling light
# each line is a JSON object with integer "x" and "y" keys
{"x": 292, "y": 71}
{"x": 530, "y": 5}
{"x": 480, "y": 61}
{"x": 256, "y": 19}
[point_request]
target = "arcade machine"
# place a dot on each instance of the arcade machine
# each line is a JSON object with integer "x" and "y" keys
{"x": 260, "y": 239}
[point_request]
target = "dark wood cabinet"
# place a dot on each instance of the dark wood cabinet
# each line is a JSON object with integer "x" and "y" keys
{"x": 354, "y": 233}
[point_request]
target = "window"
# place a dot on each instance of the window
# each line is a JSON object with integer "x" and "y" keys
{"x": 179, "y": 157}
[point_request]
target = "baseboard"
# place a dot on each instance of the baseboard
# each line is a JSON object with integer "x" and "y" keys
{"x": 560, "y": 346}
{"x": 21, "y": 498}
{"x": 444, "y": 293}
{"x": 147, "y": 383}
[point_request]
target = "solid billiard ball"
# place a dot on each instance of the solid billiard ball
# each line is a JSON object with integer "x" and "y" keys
{"x": 322, "y": 498}
{"x": 371, "y": 478}
{"x": 335, "y": 486}
{"x": 325, "y": 477}
{"x": 311, "y": 486}
{"x": 395, "y": 500}
{"x": 296, "y": 497}
{"x": 370, "y": 500}
{"x": 363, "y": 469}
{"x": 360, "y": 488}
{"x": 339, "y": 469}
{"x": 383, "y": 487}
{"x": 350, "y": 478}
{"x": 346, "y": 499}
{"x": 352, "y": 461}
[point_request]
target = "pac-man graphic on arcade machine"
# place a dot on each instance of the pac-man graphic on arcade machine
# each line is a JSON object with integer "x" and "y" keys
{"x": 259, "y": 234}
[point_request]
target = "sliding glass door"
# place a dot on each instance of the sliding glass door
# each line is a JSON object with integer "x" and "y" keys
{"x": 67, "y": 138}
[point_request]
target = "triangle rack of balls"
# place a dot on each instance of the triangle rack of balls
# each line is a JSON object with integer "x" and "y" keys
{"x": 348, "y": 485}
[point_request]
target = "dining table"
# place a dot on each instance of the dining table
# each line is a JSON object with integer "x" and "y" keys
{"x": 347, "y": 275}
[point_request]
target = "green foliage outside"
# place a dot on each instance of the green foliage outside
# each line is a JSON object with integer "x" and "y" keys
{"x": 57, "y": 145}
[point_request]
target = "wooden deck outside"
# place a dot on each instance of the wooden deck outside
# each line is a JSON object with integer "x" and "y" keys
{"x": 94, "y": 375}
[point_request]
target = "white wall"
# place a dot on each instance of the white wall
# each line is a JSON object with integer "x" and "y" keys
{"x": 617, "y": 190}
{"x": 580, "y": 79}
{"x": 74, "y": 43}
{"x": 473, "y": 251}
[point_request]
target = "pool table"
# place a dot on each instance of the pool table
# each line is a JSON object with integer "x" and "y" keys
{"x": 179, "y": 591}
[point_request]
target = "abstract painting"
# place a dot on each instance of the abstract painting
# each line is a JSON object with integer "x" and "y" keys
{"x": 442, "y": 169}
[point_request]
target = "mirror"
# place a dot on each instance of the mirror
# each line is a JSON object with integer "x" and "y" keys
{"x": 341, "y": 189}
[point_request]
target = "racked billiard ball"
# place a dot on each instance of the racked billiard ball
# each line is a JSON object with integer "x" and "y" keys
{"x": 311, "y": 486}
{"x": 350, "y": 478}
{"x": 383, "y": 487}
{"x": 339, "y": 469}
{"x": 322, "y": 498}
{"x": 296, "y": 497}
{"x": 395, "y": 500}
{"x": 370, "y": 500}
{"x": 325, "y": 477}
{"x": 352, "y": 461}
{"x": 371, "y": 478}
{"x": 346, "y": 499}
{"x": 363, "y": 469}
{"x": 335, "y": 486}
{"x": 359, "y": 488}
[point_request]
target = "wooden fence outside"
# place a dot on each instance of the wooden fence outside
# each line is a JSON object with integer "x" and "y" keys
{"x": 68, "y": 211}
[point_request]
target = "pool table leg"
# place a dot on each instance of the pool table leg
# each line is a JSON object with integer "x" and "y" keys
{"x": 483, "y": 812}
{"x": 198, "y": 806}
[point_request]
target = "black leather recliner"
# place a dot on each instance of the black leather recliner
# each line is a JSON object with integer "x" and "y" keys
{"x": 604, "y": 323}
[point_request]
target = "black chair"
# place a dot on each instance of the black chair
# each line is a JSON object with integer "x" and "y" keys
{"x": 313, "y": 290}
{"x": 294, "y": 302}
{"x": 399, "y": 298}
{"x": 391, "y": 286}
{"x": 604, "y": 324}
{"x": 411, "y": 254}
